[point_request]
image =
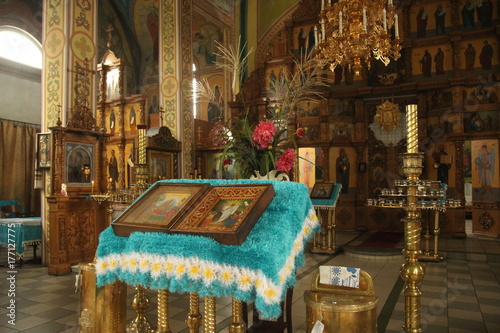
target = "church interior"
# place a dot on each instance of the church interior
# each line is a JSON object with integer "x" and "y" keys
{"x": 121, "y": 121}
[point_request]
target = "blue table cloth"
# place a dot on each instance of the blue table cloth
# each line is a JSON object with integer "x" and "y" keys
{"x": 20, "y": 231}
{"x": 261, "y": 269}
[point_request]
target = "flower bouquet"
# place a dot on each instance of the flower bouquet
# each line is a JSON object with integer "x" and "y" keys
{"x": 266, "y": 146}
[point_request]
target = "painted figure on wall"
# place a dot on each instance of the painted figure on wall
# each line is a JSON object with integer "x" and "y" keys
{"x": 440, "y": 15}
{"x": 470, "y": 57}
{"x": 485, "y": 167}
{"x": 311, "y": 42}
{"x": 426, "y": 63}
{"x": 486, "y": 55}
{"x": 484, "y": 13}
{"x": 422, "y": 22}
{"x": 302, "y": 38}
{"x": 113, "y": 169}
{"x": 443, "y": 166}
{"x": 468, "y": 15}
{"x": 338, "y": 74}
{"x": 207, "y": 38}
{"x": 342, "y": 168}
{"x": 439, "y": 61}
{"x": 152, "y": 22}
{"x": 272, "y": 80}
{"x": 133, "y": 121}
{"x": 215, "y": 109}
{"x": 112, "y": 122}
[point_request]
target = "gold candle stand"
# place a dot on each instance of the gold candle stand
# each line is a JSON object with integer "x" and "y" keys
{"x": 209, "y": 320}
{"x": 193, "y": 320}
{"x": 238, "y": 325}
{"x": 140, "y": 304}
{"x": 324, "y": 241}
{"x": 163, "y": 325}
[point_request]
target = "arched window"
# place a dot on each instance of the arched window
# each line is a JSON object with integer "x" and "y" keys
{"x": 19, "y": 46}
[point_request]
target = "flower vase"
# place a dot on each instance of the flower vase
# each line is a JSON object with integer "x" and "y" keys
{"x": 271, "y": 175}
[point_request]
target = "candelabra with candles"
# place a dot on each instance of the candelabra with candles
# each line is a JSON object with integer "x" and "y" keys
{"x": 413, "y": 194}
{"x": 141, "y": 169}
{"x": 356, "y": 31}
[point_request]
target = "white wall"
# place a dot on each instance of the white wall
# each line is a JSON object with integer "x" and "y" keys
{"x": 20, "y": 88}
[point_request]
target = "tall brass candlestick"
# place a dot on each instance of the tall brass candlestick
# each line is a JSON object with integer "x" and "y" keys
{"x": 411, "y": 129}
{"x": 142, "y": 143}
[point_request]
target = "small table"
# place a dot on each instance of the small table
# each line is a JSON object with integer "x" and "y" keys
{"x": 18, "y": 233}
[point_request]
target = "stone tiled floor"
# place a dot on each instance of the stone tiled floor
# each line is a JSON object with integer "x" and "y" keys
{"x": 460, "y": 294}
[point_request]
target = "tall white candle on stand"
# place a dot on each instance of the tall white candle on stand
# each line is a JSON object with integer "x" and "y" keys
{"x": 340, "y": 22}
{"x": 364, "y": 19}
{"x": 396, "y": 26}
{"x": 385, "y": 19}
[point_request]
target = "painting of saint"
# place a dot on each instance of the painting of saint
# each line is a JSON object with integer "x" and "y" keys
{"x": 470, "y": 57}
{"x": 426, "y": 63}
{"x": 439, "y": 62}
{"x": 422, "y": 22}
{"x": 484, "y": 13}
{"x": 486, "y": 55}
{"x": 440, "y": 15}
{"x": 468, "y": 16}
{"x": 485, "y": 167}
{"x": 225, "y": 214}
{"x": 342, "y": 168}
{"x": 133, "y": 121}
{"x": 112, "y": 122}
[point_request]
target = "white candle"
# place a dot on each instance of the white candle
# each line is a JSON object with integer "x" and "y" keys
{"x": 316, "y": 40}
{"x": 396, "y": 25}
{"x": 364, "y": 19}
{"x": 385, "y": 19}
{"x": 340, "y": 22}
{"x": 323, "y": 30}
{"x": 92, "y": 187}
{"x": 389, "y": 2}
{"x": 322, "y": 4}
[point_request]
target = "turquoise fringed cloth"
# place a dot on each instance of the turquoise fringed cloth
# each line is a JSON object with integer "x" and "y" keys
{"x": 260, "y": 269}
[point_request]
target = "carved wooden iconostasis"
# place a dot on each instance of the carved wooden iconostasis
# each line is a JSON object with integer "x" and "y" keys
{"x": 457, "y": 96}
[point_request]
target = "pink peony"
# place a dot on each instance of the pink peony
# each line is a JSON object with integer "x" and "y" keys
{"x": 286, "y": 160}
{"x": 263, "y": 134}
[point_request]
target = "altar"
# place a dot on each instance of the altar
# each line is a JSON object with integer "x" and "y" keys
{"x": 260, "y": 270}
{"x": 20, "y": 232}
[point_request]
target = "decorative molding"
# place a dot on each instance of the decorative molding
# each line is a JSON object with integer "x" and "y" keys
{"x": 486, "y": 221}
{"x": 378, "y": 216}
{"x": 492, "y": 205}
{"x": 344, "y": 216}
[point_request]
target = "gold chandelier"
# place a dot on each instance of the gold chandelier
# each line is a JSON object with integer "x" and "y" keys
{"x": 356, "y": 31}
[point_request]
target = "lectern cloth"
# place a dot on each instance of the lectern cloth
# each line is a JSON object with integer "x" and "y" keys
{"x": 260, "y": 269}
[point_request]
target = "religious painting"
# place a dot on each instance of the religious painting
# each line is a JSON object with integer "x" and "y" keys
{"x": 479, "y": 55}
{"x": 481, "y": 121}
{"x": 206, "y": 35}
{"x": 79, "y": 164}
{"x": 211, "y": 109}
{"x": 147, "y": 28}
{"x": 481, "y": 94}
{"x": 218, "y": 166}
{"x": 322, "y": 190}
{"x": 306, "y": 167}
{"x": 161, "y": 165}
{"x": 439, "y": 99}
{"x": 341, "y": 131}
{"x": 304, "y": 39}
{"x": 112, "y": 82}
{"x": 432, "y": 61}
{"x": 308, "y": 109}
{"x": 43, "y": 150}
{"x": 130, "y": 118}
{"x": 341, "y": 159}
{"x": 341, "y": 107}
{"x": 476, "y": 14}
{"x": 485, "y": 170}
{"x": 276, "y": 77}
{"x": 226, "y": 5}
{"x": 227, "y": 213}
{"x": 430, "y": 19}
{"x": 159, "y": 207}
{"x": 113, "y": 172}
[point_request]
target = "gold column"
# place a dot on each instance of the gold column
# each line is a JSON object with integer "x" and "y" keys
{"x": 209, "y": 320}
{"x": 238, "y": 325}
{"x": 163, "y": 326}
{"x": 193, "y": 320}
{"x": 140, "y": 303}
